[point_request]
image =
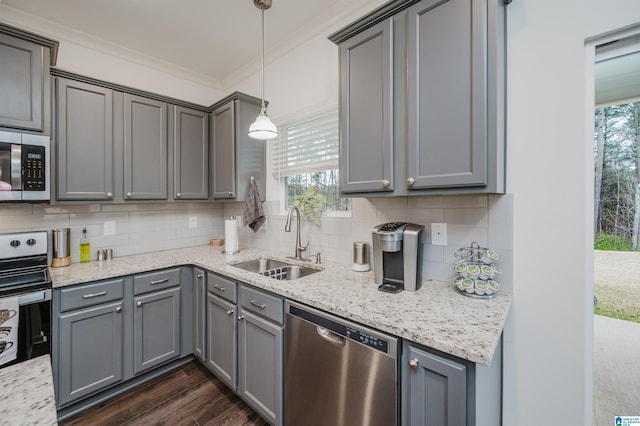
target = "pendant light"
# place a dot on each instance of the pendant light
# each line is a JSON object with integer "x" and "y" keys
{"x": 263, "y": 127}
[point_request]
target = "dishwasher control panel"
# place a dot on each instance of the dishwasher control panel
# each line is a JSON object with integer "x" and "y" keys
{"x": 366, "y": 338}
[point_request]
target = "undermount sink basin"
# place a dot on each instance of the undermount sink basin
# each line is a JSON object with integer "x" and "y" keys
{"x": 275, "y": 269}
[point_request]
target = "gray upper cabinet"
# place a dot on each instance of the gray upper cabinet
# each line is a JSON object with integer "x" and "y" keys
{"x": 84, "y": 115}
{"x": 25, "y": 89}
{"x": 445, "y": 60}
{"x": 436, "y": 390}
{"x": 145, "y": 148}
{"x": 21, "y": 80}
{"x": 191, "y": 154}
{"x": 234, "y": 157}
{"x": 366, "y": 113}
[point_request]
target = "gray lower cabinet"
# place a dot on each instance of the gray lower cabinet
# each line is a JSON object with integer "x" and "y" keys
{"x": 199, "y": 316}
{"x": 145, "y": 148}
{"x": 85, "y": 143}
{"x": 88, "y": 339}
{"x": 436, "y": 389}
{"x": 432, "y": 73}
{"x": 366, "y": 80}
{"x": 22, "y": 74}
{"x": 260, "y": 352}
{"x": 235, "y": 158}
{"x": 156, "y": 328}
{"x": 190, "y": 154}
{"x": 222, "y": 327}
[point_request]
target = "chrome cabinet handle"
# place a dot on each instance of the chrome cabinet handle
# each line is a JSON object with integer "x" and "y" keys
{"x": 410, "y": 181}
{"x": 139, "y": 303}
{"x": 129, "y": 194}
{"x": 164, "y": 280}
{"x": 413, "y": 362}
{"x": 109, "y": 194}
{"x": 178, "y": 195}
{"x": 241, "y": 317}
{"x": 254, "y": 303}
{"x": 200, "y": 276}
{"x": 217, "y": 287}
{"x": 92, "y": 295}
{"x": 119, "y": 309}
{"x": 385, "y": 182}
{"x": 230, "y": 311}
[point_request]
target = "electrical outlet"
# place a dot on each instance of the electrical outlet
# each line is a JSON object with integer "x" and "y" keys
{"x": 193, "y": 222}
{"x": 109, "y": 228}
{"x": 439, "y": 234}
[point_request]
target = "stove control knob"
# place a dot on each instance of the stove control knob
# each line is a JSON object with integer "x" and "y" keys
{"x": 15, "y": 243}
{"x": 31, "y": 242}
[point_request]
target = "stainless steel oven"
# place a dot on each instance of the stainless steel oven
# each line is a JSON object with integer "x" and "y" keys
{"x": 24, "y": 167}
{"x": 25, "y": 297}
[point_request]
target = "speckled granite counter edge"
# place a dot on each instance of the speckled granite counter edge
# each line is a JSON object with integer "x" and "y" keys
{"x": 435, "y": 316}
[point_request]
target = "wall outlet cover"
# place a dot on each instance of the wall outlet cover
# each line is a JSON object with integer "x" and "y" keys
{"x": 439, "y": 234}
{"x": 193, "y": 222}
{"x": 109, "y": 228}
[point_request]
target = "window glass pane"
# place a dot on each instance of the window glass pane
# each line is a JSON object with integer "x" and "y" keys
{"x": 324, "y": 182}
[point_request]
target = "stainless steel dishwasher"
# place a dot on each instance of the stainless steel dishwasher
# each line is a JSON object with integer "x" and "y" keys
{"x": 338, "y": 373}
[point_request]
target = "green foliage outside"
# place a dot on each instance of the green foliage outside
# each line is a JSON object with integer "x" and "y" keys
{"x": 619, "y": 303}
{"x": 612, "y": 243}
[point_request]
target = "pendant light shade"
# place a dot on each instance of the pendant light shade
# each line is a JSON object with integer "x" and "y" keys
{"x": 263, "y": 128}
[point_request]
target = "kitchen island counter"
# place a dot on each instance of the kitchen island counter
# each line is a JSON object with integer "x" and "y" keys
{"x": 436, "y": 316}
{"x": 26, "y": 394}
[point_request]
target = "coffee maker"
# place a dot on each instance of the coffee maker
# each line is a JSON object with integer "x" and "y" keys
{"x": 397, "y": 256}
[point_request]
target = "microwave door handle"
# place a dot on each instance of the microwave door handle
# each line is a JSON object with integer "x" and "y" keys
{"x": 16, "y": 167}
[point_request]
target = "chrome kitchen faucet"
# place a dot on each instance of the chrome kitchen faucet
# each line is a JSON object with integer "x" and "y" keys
{"x": 287, "y": 228}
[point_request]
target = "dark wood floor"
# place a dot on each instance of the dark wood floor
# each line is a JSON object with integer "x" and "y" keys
{"x": 190, "y": 395}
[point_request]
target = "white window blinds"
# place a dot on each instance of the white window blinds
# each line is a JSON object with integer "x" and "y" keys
{"x": 307, "y": 145}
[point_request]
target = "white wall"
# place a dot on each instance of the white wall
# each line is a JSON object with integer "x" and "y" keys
{"x": 548, "y": 341}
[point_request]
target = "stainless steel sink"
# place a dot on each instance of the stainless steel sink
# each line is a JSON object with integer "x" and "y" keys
{"x": 275, "y": 269}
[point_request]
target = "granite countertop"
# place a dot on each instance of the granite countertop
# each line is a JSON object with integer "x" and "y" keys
{"x": 26, "y": 393}
{"x": 436, "y": 316}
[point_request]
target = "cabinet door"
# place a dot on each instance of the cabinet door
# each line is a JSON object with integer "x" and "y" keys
{"x": 21, "y": 82}
{"x": 223, "y": 146}
{"x": 260, "y": 365}
{"x": 447, "y": 94}
{"x": 85, "y": 141}
{"x": 437, "y": 390}
{"x": 222, "y": 329}
{"x": 90, "y": 357}
{"x": 191, "y": 154}
{"x": 199, "y": 315}
{"x": 366, "y": 110}
{"x": 145, "y": 148}
{"x": 156, "y": 329}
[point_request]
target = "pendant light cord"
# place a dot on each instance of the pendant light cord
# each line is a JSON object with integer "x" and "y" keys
{"x": 263, "y": 59}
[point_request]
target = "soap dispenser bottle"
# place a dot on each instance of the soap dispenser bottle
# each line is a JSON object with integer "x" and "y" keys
{"x": 85, "y": 247}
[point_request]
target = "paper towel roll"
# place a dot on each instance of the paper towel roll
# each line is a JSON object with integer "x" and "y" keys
{"x": 230, "y": 236}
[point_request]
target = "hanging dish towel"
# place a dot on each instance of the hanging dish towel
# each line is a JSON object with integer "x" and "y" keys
{"x": 9, "y": 308}
{"x": 253, "y": 215}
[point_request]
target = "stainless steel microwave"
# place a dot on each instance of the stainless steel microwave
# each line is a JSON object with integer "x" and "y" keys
{"x": 24, "y": 167}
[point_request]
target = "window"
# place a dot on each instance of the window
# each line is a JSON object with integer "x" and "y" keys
{"x": 306, "y": 159}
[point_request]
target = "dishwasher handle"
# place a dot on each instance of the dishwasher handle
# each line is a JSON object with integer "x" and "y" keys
{"x": 331, "y": 337}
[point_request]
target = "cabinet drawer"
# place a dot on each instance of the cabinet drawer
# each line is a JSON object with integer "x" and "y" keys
{"x": 222, "y": 287}
{"x": 91, "y": 294}
{"x": 263, "y": 304}
{"x": 156, "y": 281}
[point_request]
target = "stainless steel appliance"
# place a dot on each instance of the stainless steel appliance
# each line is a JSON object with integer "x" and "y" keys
{"x": 24, "y": 275}
{"x": 61, "y": 238}
{"x": 338, "y": 373}
{"x": 397, "y": 256}
{"x": 24, "y": 167}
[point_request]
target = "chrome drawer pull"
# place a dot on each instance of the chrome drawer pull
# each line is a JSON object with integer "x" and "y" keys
{"x": 254, "y": 303}
{"x": 159, "y": 281}
{"x": 241, "y": 317}
{"x": 89, "y": 296}
{"x": 230, "y": 311}
{"x": 217, "y": 287}
{"x": 200, "y": 276}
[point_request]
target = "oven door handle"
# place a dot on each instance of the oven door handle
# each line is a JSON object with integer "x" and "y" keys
{"x": 38, "y": 296}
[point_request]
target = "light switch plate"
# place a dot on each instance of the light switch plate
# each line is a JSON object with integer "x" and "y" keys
{"x": 109, "y": 228}
{"x": 439, "y": 234}
{"x": 193, "y": 222}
